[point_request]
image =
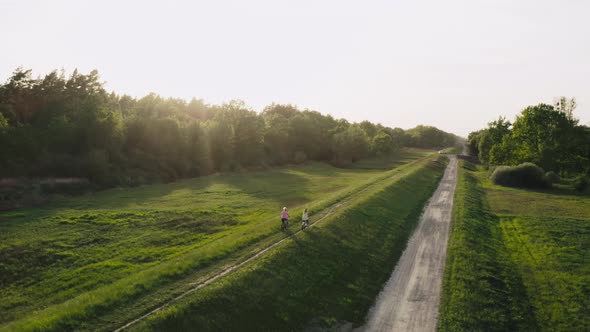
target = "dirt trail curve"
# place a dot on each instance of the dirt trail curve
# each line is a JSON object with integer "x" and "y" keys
{"x": 409, "y": 301}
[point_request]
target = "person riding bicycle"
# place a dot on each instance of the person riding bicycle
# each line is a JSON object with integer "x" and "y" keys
{"x": 284, "y": 217}
{"x": 305, "y": 219}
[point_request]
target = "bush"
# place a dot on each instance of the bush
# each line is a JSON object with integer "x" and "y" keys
{"x": 552, "y": 177}
{"x": 580, "y": 183}
{"x": 526, "y": 175}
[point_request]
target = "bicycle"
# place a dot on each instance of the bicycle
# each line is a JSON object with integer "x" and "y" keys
{"x": 304, "y": 224}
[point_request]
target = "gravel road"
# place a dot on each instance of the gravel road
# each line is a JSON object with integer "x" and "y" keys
{"x": 409, "y": 301}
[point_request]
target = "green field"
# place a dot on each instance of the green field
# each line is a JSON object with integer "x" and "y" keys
{"x": 79, "y": 261}
{"x": 326, "y": 278}
{"x": 517, "y": 259}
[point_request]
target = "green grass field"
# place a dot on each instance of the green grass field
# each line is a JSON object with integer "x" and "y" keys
{"x": 517, "y": 259}
{"x": 324, "y": 278}
{"x": 78, "y": 262}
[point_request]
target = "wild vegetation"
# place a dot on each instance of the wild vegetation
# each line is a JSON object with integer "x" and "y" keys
{"x": 525, "y": 175}
{"x": 104, "y": 258}
{"x": 58, "y": 126}
{"x": 517, "y": 259}
{"x": 546, "y": 135}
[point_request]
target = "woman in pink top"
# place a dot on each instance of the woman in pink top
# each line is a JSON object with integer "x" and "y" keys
{"x": 284, "y": 218}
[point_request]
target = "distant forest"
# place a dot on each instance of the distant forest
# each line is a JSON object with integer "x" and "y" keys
{"x": 547, "y": 135}
{"x": 58, "y": 126}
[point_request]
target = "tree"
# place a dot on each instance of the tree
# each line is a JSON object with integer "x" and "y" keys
{"x": 398, "y": 136}
{"x": 504, "y": 153}
{"x": 430, "y": 137}
{"x": 198, "y": 110}
{"x": 566, "y": 106}
{"x": 17, "y": 100}
{"x": 285, "y": 111}
{"x": 220, "y": 136}
{"x": 544, "y": 136}
{"x": 473, "y": 140}
{"x": 248, "y": 137}
{"x": 369, "y": 128}
{"x": 351, "y": 144}
{"x": 198, "y": 150}
{"x": 382, "y": 144}
{"x": 59, "y": 125}
{"x": 491, "y": 136}
{"x": 276, "y": 136}
{"x": 3, "y": 122}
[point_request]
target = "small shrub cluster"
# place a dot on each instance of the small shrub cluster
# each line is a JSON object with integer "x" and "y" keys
{"x": 552, "y": 177}
{"x": 526, "y": 175}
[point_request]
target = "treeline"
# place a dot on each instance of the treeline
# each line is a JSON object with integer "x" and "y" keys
{"x": 546, "y": 135}
{"x": 72, "y": 127}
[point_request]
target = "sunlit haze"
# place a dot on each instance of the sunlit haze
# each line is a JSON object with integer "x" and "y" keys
{"x": 454, "y": 64}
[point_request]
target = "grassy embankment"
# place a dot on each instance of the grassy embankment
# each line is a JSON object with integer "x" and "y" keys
{"x": 84, "y": 259}
{"x": 518, "y": 260}
{"x": 323, "y": 278}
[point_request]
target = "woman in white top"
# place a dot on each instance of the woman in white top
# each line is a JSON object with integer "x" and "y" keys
{"x": 305, "y": 219}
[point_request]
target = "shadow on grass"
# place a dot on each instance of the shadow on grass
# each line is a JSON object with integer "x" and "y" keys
{"x": 280, "y": 186}
{"x": 559, "y": 190}
{"x": 483, "y": 285}
{"x": 283, "y": 188}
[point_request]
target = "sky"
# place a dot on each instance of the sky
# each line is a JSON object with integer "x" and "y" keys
{"x": 454, "y": 64}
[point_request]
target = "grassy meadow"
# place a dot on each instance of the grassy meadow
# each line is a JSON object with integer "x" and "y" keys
{"x": 517, "y": 259}
{"x": 325, "y": 278}
{"x": 75, "y": 264}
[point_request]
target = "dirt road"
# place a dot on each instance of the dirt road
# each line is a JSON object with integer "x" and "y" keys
{"x": 409, "y": 301}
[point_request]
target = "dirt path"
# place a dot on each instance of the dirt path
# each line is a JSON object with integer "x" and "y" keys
{"x": 409, "y": 301}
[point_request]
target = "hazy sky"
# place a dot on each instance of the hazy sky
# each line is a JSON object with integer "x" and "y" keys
{"x": 454, "y": 64}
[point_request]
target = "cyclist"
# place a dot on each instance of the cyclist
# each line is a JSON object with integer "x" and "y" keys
{"x": 284, "y": 218}
{"x": 305, "y": 219}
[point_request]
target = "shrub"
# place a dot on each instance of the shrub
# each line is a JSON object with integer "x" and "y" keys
{"x": 526, "y": 175}
{"x": 580, "y": 183}
{"x": 552, "y": 177}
